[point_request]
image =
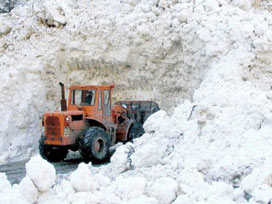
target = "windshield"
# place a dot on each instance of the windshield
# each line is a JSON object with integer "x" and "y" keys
{"x": 83, "y": 97}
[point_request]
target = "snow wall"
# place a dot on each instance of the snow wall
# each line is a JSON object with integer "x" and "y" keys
{"x": 151, "y": 50}
{"x": 211, "y": 58}
{"x": 141, "y": 47}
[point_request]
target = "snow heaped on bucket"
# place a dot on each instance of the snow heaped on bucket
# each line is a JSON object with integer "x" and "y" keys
{"x": 209, "y": 61}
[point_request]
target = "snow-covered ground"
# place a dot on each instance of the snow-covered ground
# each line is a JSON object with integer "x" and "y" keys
{"x": 215, "y": 146}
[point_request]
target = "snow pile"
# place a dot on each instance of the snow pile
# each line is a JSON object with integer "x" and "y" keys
{"x": 214, "y": 148}
{"x": 42, "y": 173}
{"x": 87, "y": 184}
{"x": 121, "y": 160}
{"x": 28, "y": 189}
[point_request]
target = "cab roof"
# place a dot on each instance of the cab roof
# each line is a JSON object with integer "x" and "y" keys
{"x": 91, "y": 86}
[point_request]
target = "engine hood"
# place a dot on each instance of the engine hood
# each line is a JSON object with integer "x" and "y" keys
{"x": 64, "y": 113}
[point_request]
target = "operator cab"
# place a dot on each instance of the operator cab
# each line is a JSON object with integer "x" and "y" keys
{"x": 95, "y": 101}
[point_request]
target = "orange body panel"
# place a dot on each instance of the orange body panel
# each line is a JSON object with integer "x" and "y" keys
{"x": 61, "y": 131}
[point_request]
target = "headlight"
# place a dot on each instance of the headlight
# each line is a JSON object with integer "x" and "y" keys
{"x": 67, "y": 118}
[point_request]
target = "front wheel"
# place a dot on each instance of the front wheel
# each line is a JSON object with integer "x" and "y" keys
{"x": 50, "y": 153}
{"x": 94, "y": 145}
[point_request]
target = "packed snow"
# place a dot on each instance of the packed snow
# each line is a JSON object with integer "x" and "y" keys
{"x": 212, "y": 57}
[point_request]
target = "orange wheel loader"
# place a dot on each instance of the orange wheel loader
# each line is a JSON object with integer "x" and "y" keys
{"x": 91, "y": 124}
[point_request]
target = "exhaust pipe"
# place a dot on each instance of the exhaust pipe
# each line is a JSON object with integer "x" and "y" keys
{"x": 63, "y": 102}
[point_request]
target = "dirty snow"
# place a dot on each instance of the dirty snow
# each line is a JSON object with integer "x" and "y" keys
{"x": 212, "y": 57}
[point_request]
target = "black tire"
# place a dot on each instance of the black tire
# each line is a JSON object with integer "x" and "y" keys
{"x": 136, "y": 130}
{"x": 94, "y": 145}
{"x": 51, "y": 153}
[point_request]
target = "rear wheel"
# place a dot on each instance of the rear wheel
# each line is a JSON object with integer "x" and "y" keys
{"x": 50, "y": 153}
{"x": 94, "y": 145}
{"x": 136, "y": 130}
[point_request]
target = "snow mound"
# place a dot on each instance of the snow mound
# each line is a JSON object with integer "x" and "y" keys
{"x": 10, "y": 194}
{"x": 12, "y": 198}
{"x": 89, "y": 182}
{"x": 164, "y": 189}
{"x": 41, "y": 173}
{"x": 28, "y": 189}
{"x": 120, "y": 161}
{"x": 129, "y": 188}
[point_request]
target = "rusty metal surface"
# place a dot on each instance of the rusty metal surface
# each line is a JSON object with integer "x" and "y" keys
{"x": 59, "y": 131}
{"x": 52, "y": 128}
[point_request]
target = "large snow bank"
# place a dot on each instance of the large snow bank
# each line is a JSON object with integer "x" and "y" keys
{"x": 149, "y": 50}
{"x": 214, "y": 148}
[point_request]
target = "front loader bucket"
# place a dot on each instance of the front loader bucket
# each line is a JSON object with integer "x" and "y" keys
{"x": 139, "y": 110}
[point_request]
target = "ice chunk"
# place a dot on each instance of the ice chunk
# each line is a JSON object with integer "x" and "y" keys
{"x": 12, "y": 198}
{"x": 103, "y": 181}
{"x": 47, "y": 196}
{"x": 50, "y": 198}
{"x": 149, "y": 154}
{"x": 192, "y": 183}
{"x": 28, "y": 190}
{"x": 41, "y": 172}
{"x": 67, "y": 187}
{"x": 130, "y": 187}
{"x": 120, "y": 161}
{"x": 82, "y": 179}
{"x": 164, "y": 189}
{"x": 156, "y": 122}
{"x": 159, "y": 122}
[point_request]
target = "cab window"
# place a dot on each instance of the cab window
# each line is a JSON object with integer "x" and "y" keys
{"x": 83, "y": 97}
